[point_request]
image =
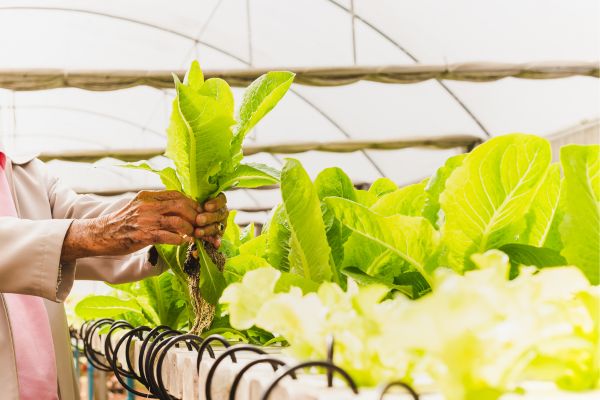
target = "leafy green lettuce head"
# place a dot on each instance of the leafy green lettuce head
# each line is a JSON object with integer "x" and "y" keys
{"x": 204, "y": 137}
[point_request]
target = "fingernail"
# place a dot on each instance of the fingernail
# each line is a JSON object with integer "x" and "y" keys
{"x": 201, "y": 220}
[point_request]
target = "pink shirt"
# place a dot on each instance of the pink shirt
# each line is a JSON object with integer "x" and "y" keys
{"x": 31, "y": 334}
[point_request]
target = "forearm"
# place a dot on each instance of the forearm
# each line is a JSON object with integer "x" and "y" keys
{"x": 82, "y": 240}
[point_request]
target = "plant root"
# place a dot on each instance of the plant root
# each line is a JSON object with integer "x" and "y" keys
{"x": 204, "y": 312}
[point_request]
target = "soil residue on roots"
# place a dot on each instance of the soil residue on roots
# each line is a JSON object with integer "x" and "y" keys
{"x": 204, "y": 312}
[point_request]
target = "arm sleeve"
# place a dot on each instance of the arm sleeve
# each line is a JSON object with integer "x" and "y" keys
{"x": 30, "y": 250}
{"x": 30, "y": 257}
{"x": 66, "y": 204}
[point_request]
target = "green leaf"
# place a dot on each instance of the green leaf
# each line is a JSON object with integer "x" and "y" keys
{"x": 169, "y": 254}
{"x": 198, "y": 140}
{"x": 278, "y": 239}
{"x": 94, "y": 307}
{"x": 486, "y": 199}
{"x": 420, "y": 286}
{"x": 334, "y": 182}
{"x": 436, "y": 186}
{"x": 194, "y": 76}
{"x": 382, "y": 186}
{"x": 408, "y": 200}
{"x": 168, "y": 176}
{"x": 361, "y": 277}
{"x": 365, "y": 198}
{"x": 212, "y": 281}
{"x": 371, "y": 257}
{"x": 256, "y": 246}
{"x": 411, "y": 238}
{"x": 236, "y": 267}
{"x": 309, "y": 250}
{"x": 232, "y": 232}
{"x": 580, "y": 228}
{"x": 522, "y": 254}
{"x": 544, "y": 215}
{"x": 248, "y": 233}
{"x": 260, "y": 98}
{"x": 287, "y": 280}
{"x": 219, "y": 90}
{"x": 242, "y": 300}
{"x": 160, "y": 295}
{"x": 250, "y": 176}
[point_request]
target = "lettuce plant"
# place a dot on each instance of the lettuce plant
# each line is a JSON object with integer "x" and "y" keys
{"x": 154, "y": 301}
{"x": 505, "y": 195}
{"x": 478, "y": 335}
{"x": 204, "y": 141}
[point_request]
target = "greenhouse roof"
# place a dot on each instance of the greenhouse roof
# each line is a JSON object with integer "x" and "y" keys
{"x": 234, "y": 35}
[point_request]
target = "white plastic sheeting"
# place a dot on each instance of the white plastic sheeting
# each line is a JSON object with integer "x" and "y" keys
{"x": 152, "y": 34}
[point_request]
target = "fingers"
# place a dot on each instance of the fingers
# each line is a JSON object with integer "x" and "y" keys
{"x": 170, "y": 202}
{"x": 214, "y": 240}
{"x": 208, "y": 230}
{"x": 207, "y": 218}
{"x": 176, "y": 216}
{"x": 184, "y": 208}
{"x": 166, "y": 237}
{"x": 175, "y": 225}
{"x": 215, "y": 204}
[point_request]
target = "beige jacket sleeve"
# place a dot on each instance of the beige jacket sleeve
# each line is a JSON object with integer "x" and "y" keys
{"x": 30, "y": 257}
{"x": 66, "y": 204}
{"x": 30, "y": 263}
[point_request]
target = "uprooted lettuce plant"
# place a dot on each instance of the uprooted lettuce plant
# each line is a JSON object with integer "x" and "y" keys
{"x": 204, "y": 142}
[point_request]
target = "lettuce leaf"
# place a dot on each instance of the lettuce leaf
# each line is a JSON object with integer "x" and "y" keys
{"x": 278, "y": 239}
{"x": 580, "y": 228}
{"x": 259, "y": 99}
{"x": 168, "y": 176}
{"x": 105, "y": 307}
{"x": 309, "y": 250}
{"x": 436, "y": 185}
{"x": 408, "y": 200}
{"x": 486, "y": 198}
{"x": 333, "y": 182}
{"x": 199, "y": 139}
{"x": 545, "y": 214}
{"x": 382, "y": 186}
{"x": 413, "y": 239}
{"x": 360, "y": 277}
{"x": 250, "y": 176}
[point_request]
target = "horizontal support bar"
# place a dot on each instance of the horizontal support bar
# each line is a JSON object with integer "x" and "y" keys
{"x": 120, "y": 191}
{"x": 101, "y": 80}
{"x": 346, "y": 146}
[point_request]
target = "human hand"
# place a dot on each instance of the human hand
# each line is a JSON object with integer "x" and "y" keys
{"x": 212, "y": 220}
{"x": 152, "y": 217}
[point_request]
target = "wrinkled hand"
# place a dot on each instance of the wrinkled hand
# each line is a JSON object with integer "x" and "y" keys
{"x": 212, "y": 220}
{"x": 161, "y": 217}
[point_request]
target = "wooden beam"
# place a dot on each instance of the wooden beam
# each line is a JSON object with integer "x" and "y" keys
{"x": 134, "y": 189}
{"x": 101, "y": 80}
{"x": 346, "y": 146}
